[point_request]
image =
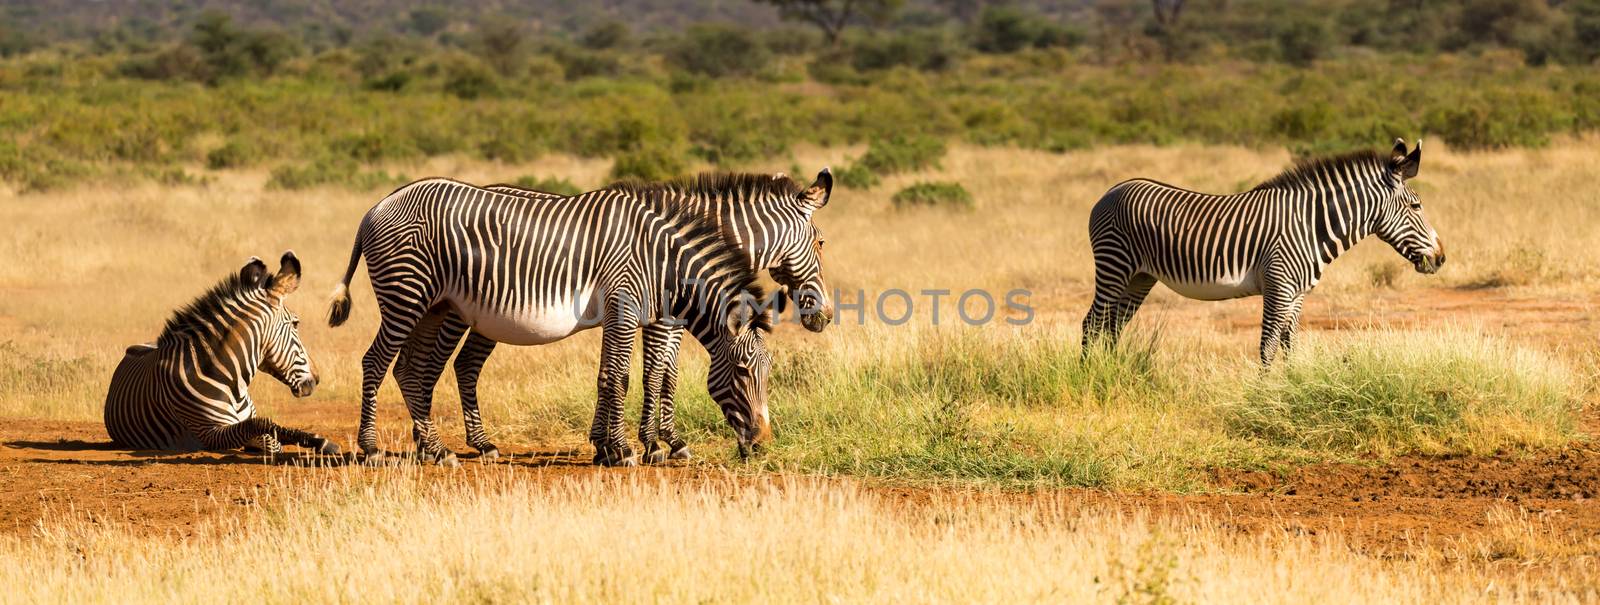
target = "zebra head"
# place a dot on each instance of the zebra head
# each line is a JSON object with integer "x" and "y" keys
{"x": 738, "y": 375}
{"x": 1399, "y": 220}
{"x": 283, "y": 355}
{"x": 797, "y": 265}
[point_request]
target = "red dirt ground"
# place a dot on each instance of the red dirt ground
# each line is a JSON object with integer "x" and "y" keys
{"x": 51, "y": 468}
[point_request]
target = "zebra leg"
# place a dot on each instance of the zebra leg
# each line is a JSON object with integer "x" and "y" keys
{"x": 1109, "y": 286}
{"x": 469, "y": 363}
{"x": 234, "y": 436}
{"x": 265, "y": 445}
{"x": 1277, "y": 310}
{"x": 417, "y": 370}
{"x": 660, "y": 360}
{"x": 1132, "y": 298}
{"x": 667, "y": 400}
{"x": 616, "y": 352}
{"x": 1291, "y": 325}
{"x": 395, "y": 325}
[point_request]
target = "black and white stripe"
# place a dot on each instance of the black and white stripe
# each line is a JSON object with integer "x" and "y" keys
{"x": 190, "y": 390}
{"x": 529, "y": 271}
{"x": 1274, "y": 240}
{"x": 768, "y": 217}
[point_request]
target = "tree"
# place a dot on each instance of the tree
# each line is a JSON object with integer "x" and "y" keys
{"x": 500, "y": 44}
{"x": 831, "y": 16}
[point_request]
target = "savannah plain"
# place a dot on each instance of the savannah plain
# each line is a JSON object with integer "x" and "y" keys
{"x": 1431, "y": 440}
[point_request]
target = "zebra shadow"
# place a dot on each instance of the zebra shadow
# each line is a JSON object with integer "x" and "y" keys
{"x": 147, "y": 457}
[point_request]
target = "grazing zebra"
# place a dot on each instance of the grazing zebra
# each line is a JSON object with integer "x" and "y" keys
{"x": 770, "y": 219}
{"x": 529, "y": 271}
{"x": 1274, "y": 240}
{"x": 188, "y": 391}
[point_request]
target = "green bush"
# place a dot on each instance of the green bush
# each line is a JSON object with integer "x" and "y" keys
{"x": 234, "y": 153}
{"x": 329, "y": 171}
{"x": 650, "y": 163}
{"x": 719, "y": 50}
{"x": 556, "y": 185}
{"x": 926, "y": 49}
{"x": 470, "y": 80}
{"x": 856, "y": 176}
{"x": 1006, "y": 29}
{"x": 941, "y": 194}
{"x": 903, "y": 154}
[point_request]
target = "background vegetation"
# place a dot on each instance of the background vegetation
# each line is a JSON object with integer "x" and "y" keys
{"x": 318, "y": 94}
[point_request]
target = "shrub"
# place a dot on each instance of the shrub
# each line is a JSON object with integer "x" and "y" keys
{"x": 941, "y": 194}
{"x": 1005, "y": 29}
{"x": 234, "y": 153}
{"x": 903, "y": 154}
{"x": 606, "y": 35}
{"x": 1303, "y": 41}
{"x": 928, "y": 49}
{"x": 470, "y": 80}
{"x": 649, "y": 163}
{"x": 329, "y": 171}
{"x": 556, "y": 185}
{"x": 719, "y": 51}
{"x": 856, "y": 176}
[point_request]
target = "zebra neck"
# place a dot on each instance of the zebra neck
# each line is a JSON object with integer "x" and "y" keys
{"x": 736, "y": 219}
{"x": 1340, "y": 219}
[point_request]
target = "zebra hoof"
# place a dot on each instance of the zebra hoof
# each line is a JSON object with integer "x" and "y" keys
{"x": 327, "y": 448}
{"x": 680, "y": 453}
{"x": 620, "y": 456}
{"x": 488, "y": 453}
{"x": 655, "y": 455}
{"x": 448, "y": 460}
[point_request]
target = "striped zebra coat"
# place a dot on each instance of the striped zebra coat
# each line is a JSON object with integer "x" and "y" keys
{"x": 1273, "y": 241}
{"x": 769, "y": 218}
{"x": 532, "y": 271}
{"x": 190, "y": 389}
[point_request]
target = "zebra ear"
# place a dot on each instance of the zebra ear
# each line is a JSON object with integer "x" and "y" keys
{"x": 1399, "y": 150}
{"x": 820, "y": 190}
{"x": 253, "y": 272}
{"x": 288, "y": 278}
{"x": 1405, "y": 164}
{"x": 740, "y": 314}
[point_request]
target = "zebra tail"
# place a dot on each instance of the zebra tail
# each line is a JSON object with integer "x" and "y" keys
{"x": 339, "y": 307}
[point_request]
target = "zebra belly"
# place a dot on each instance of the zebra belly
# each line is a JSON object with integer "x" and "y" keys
{"x": 1238, "y": 286}
{"x": 533, "y": 325}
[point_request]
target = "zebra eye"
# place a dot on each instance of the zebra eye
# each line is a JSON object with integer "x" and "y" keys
{"x": 1416, "y": 206}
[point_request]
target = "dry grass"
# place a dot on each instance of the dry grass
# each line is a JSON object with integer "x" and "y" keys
{"x": 505, "y": 536}
{"x": 89, "y": 271}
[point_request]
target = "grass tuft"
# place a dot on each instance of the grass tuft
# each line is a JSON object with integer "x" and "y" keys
{"x": 1401, "y": 392}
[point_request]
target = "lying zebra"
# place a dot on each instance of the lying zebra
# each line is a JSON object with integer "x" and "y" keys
{"x": 1273, "y": 241}
{"x": 770, "y": 220}
{"x": 188, "y": 391}
{"x": 531, "y": 271}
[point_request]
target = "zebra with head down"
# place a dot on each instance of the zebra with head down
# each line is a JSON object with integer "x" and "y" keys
{"x": 533, "y": 271}
{"x": 190, "y": 390}
{"x": 767, "y": 217}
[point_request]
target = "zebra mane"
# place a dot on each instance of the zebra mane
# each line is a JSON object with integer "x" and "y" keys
{"x": 747, "y": 185}
{"x": 1306, "y": 173}
{"x": 195, "y": 318}
{"x": 724, "y": 255}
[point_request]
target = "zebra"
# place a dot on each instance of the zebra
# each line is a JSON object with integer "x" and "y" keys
{"x": 771, "y": 218}
{"x": 529, "y": 271}
{"x": 1274, "y": 240}
{"x": 189, "y": 390}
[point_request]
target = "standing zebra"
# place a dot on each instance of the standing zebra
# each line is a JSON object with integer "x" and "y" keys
{"x": 1274, "y": 240}
{"x": 531, "y": 271}
{"x": 770, "y": 220}
{"x": 188, "y": 391}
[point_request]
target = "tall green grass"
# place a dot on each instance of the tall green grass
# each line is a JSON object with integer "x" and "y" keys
{"x": 1382, "y": 393}
{"x": 971, "y": 407}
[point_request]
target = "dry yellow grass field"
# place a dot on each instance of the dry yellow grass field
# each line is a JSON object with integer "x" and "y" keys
{"x": 938, "y": 410}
